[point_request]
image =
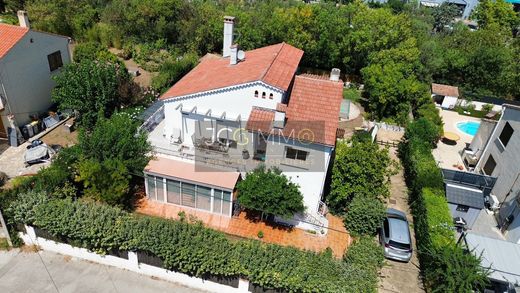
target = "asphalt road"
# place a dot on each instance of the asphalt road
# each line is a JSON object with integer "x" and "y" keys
{"x": 22, "y": 272}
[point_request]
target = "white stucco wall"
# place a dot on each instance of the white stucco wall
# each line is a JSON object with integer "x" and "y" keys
{"x": 478, "y": 105}
{"x": 26, "y": 77}
{"x": 239, "y": 101}
{"x": 234, "y": 101}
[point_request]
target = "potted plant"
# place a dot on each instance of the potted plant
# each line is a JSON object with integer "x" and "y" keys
{"x": 245, "y": 154}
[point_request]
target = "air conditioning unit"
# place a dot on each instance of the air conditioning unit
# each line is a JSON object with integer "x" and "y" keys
{"x": 493, "y": 202}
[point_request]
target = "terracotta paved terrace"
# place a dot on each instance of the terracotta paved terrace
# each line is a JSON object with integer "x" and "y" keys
{"x": 337, "y": 237}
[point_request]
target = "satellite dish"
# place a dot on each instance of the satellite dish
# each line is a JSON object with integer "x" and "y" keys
{"x": 241, "y": 55}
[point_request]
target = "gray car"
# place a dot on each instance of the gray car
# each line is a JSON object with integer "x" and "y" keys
{"x": 395, "y": 236}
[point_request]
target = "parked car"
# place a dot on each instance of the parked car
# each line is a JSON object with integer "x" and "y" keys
{"x": 395, "y": 236}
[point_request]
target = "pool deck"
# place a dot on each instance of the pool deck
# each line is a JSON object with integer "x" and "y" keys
{"x": 448, "y": 156}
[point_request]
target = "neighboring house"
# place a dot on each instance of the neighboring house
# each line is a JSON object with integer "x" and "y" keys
{"x": 496, "y": 149}
{"x": 28, "y": 60}
{"x": 233, "y": 112}
{"x": 465, "y": 7}
{"x": 445, "y": 96}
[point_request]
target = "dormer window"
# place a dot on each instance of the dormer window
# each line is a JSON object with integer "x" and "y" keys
{"x": 256, "y": 94}
{"x": 271, "y": 96}
{"x": 263, "y": 95}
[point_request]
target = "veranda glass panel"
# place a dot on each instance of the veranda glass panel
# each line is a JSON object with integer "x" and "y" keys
{"x": 226, "y": 203}
{"x": 203, "y": 198}
{"x": 217, "y": 201}
{"x": 188, "y": 194}
{"x": 159, "y": 185}
{"x": 173, "y": 189}
{"x": 151, "y": 186}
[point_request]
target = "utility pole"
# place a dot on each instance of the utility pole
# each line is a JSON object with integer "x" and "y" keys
{"x": 4, "y": 227}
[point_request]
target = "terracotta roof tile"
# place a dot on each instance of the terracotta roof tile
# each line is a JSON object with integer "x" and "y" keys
{"x": 260, "y": 119}
{"x": 445, "y": 90}
{"x": 312, "y": 113}
{"x": 281, "y": 107}
{"x": 9, "y": 36}
{"x": 275, "y": 65}
{"x": 315, "y": 104}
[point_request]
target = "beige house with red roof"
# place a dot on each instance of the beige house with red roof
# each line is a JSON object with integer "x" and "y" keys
{"x": 28, "y": 60}
{"x": 234, "y": 112}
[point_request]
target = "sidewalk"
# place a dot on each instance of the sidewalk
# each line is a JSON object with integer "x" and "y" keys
{"x": 27, "y": 272}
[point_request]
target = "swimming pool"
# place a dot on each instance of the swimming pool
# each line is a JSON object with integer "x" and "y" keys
{"x": 469, "y": 127}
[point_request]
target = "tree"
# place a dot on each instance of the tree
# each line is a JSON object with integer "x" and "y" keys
{"x": 92, "y": 88}
{"x": 443, "y": 16}
{"x": 117, "y": 138}
{"x": 455, "y": 270}
{"x": 364, "y": 215}
{"x": 107, "y": 181}
{"x": 172, "y": 70}
{"x": 391, "y": 83}
{"x": 270, "y": 192}
{"x": 425, "y": 130}
{"x": 362, "y": 170}
{"x": 496, "y": 12}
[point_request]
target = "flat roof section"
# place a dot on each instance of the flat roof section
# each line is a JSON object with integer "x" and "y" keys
{"x": 189, "y": 172}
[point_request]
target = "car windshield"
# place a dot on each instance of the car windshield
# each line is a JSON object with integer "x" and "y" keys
{"x": 399, "y": 245}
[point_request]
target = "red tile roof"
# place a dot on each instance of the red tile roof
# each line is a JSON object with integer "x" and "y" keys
{"x": 281, "y": 107}
{"x": 274, "y": 65}
{"x": 315, "y": 104}
{"x": 445, "y": 90}
{"x": 9, "y": 36}
{"x": 260, "y": 119}
{"x": 312, "y": 113}
{"x": 192, "y": 173}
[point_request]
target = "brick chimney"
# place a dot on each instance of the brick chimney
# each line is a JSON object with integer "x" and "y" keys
{"x": 23, "y": 19}
{"x": 229, "y": 26}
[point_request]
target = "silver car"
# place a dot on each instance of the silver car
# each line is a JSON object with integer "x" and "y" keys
{"x": 395, "y": 236}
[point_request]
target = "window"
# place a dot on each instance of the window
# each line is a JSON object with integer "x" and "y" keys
{"x": 295, "y": 154}
{"x": 222, "y": 202}
{"x": 55, "y": 61}
{"x": 271, "y": 96}
{"x": 256, "y": 94}
{"x": 462, "y": 208}
{"x": 263, "y": 95}
{"x": 173, "y": 189}
{"x": 188, "y": 195}
{"x": 490, "y": 165}
{"x": 203, "y": 198}
{"x": 159, "y": 185}
{"x": 506, "y": 134}
{"x": 151, "y": 186}
{"x": 226, "y": 202}
{"x": 386, "y": 228}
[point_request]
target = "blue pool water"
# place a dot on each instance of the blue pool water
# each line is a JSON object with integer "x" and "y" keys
{"x": 469, "y": 127}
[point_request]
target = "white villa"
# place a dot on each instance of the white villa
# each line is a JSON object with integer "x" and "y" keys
{"x": 236, "y": 111}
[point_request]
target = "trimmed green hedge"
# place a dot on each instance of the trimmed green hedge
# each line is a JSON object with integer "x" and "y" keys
{"x": 433, "y": 223}
{"x": 192, "y": 248}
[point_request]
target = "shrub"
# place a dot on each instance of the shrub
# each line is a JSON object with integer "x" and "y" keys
{"x": 486, "y": 108}
{"x": 451, "y": 269}
{"x": 194, "y": 249}
{"x": 424, "y": 130}
{"x": 367, "y": 252}
{"x": 440, "y": 222}
{"x": 364, "y": 215}
{"x": 172, "y": 70}
{"x": 107, "y": 181}
{"x": 3, "y": 178}
{"x": 361, "y": 169}
{"x": 269, "y": 191}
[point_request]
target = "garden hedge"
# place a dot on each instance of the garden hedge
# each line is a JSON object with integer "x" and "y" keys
{"x": 191, "y": 248}
{"x": 433, "y": 223}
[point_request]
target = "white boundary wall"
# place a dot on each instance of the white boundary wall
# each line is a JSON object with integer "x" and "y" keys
{"x": 130, "y": 264}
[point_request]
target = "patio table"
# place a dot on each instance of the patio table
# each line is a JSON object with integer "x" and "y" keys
{"x": 451, "y": 136}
